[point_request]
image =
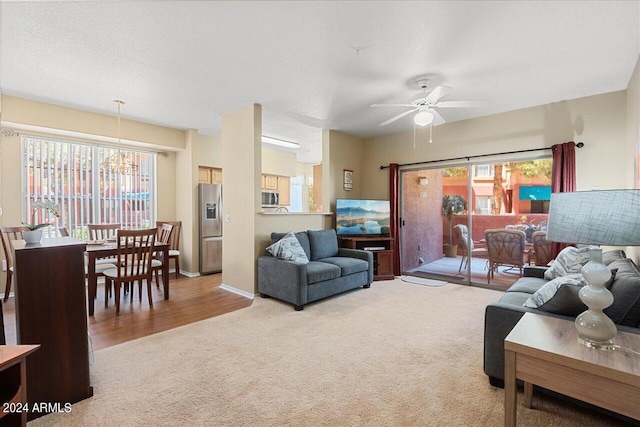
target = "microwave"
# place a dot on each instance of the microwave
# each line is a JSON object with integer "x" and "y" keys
{"x": 270, "y": 198}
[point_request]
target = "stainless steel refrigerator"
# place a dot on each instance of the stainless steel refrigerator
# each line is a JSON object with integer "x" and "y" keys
{"x": 210, "y": 212}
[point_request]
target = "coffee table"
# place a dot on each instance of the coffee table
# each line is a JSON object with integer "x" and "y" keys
{"x": 544, "y": 351}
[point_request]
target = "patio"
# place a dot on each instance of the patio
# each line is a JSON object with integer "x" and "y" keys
{"x": 447, "y": 269}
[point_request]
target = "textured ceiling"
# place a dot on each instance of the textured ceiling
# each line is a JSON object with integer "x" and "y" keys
{"x": 311, "y": 65}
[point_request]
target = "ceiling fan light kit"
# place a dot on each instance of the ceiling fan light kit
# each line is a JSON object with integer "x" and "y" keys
{"x": 427, "y": 105}
{"x": 423, "y": 118}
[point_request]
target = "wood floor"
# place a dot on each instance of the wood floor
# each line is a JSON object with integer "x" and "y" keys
{"x": 191, "y": 300}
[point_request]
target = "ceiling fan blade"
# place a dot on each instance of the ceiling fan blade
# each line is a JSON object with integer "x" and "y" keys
{"x": 392, "y": 105}
{"x": 461, "y": 104}
{"x": 393, "y": 119}
{"x": 437, "y": 118}
{"x": 437, "y": 93}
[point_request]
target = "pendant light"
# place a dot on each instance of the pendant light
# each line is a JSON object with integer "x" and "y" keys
{"x": 119, "y": 162}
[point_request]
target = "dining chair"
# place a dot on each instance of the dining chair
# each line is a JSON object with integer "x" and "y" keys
{"x": 134, "y": 255}
{"x": 174, "y": 244}
{"x": 64, "y": 231}
{"x": 462, "y": 234}
{"x": 504, "y": 247}
{"x": 8, "y": 235}
{"x": 541, "y": 248}
{"x": 102, "y": 231}
{"x": 164, "y": 236}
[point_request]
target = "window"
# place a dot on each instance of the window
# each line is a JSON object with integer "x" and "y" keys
{"x": 483, "y": 205}
{"x": 73, "y": 175}
{"x": 484, "y": 171}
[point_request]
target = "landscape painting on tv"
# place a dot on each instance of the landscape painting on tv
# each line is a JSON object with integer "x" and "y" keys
{"x": 362, "y": 217}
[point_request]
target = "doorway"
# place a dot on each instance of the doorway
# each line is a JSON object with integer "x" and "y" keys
{"x": 494, "y": 196}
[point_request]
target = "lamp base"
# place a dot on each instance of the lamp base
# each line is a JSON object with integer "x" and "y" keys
{"x": 605, "y": 345}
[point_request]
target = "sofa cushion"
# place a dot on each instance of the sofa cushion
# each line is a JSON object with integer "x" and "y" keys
{"x": 614, "y": 255}
{"x": 321, "y": 271}
{"x": 514, "y": 298}
{"x": 347, "y": 265}
{"x": 302, "y": 237}
{"x": 288, "y": 248}
{"x": 559, "y": 296}
{"x": 625, "y": 309}
{"x": 527, "y": 284}
{"x": 323, "y": 243}
{"x": 569, "y": 261}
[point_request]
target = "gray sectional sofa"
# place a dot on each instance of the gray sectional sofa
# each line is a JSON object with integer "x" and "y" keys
{"x": 330, "y": 270}
{"x": 502, "y": 316}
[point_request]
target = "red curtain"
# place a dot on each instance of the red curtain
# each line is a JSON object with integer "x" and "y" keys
{"x": 563, "y": 177}
{"x": 395, "y": 220}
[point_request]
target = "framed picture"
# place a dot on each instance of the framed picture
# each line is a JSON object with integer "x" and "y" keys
{"x": 348, "y": 180}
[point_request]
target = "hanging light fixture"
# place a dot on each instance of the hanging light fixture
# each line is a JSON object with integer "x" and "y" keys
{"x": 119, "y": 162}
{"x": 423, "y": 118}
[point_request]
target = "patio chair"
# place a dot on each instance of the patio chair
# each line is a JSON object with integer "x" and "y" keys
{"x": 505, "y": 247}
{"x": 462, "y": 234}
{"x": 541, "y": 248}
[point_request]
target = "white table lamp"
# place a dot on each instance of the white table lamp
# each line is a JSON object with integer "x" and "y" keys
{"x": 606, "y": 217}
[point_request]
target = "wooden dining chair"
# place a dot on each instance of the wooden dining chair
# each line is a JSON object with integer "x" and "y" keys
{"x": 64, "y": 231}
{"x": 164, "y": 236}
{"x": 134, "y": 256}
{"x": 102, "y": 231}
{"x": 8, "y": 235}
{"x": 174, "y": 244}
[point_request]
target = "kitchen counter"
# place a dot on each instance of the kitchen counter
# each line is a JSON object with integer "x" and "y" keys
{"x": 296, "y": 213}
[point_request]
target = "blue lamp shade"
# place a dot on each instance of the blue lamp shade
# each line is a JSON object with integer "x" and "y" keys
{"x": 603, "y": 217}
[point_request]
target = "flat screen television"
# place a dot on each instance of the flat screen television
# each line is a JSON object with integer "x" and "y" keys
{"x": 362, "y": 217}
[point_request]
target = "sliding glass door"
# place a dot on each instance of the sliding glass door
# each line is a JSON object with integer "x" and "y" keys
{"x": 446, "y": 213}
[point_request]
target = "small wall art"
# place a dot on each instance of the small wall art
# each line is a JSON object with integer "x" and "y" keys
{"x": 348, "y": 180}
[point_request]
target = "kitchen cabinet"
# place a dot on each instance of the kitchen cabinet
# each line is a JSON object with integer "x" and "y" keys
{"x": 270, "y": 182}
{"x": 284, "y": 188}
{"x": 208, "y": 175}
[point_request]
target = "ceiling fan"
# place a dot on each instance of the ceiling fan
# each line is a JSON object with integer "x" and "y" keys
{"x": 426, "y": 106}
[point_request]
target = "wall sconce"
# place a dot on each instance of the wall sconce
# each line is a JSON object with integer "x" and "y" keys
{"x": 423, "y": 181}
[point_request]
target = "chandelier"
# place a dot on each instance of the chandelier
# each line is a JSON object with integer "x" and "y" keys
{"x": 119, "y": 162}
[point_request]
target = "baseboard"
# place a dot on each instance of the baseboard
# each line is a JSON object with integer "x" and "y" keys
{"x": 237, "y": 291}
{"x": 186, "y": 273}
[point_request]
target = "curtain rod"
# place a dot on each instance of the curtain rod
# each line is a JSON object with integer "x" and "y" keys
{"x": 578, "y": 144}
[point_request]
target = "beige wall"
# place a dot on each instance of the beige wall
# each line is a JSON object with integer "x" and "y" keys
{"x": 343, "y": 152}
{"x": 210, "y": 151}
{"x": 186, "y": 184}
{"x": 633, "y": 139}
{"x": 598, "y": 121}
{"x": 278, "y": 162}
{"x": 241, "y": 133}
{"x": 53, "y": 117}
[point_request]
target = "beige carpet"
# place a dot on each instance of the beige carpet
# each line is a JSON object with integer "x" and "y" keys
{"x": 397, "y": 354}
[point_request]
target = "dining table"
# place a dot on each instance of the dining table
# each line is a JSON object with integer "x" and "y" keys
{"x": 109, "y": 249}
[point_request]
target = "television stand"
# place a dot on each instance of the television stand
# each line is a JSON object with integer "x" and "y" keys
{"x": 382, "y": 248}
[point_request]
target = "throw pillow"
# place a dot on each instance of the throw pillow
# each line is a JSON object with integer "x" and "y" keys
{"x": 569, "y": 261}
{"x": 559, "y": 296}
{"x": 288, "y": 248}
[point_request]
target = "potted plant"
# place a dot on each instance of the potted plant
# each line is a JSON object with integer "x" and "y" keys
{"x": 34, "y": 234}
{"x": 452, "y": 205}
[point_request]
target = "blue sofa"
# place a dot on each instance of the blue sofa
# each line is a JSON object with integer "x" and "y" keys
{"x": 331, "y": 270}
